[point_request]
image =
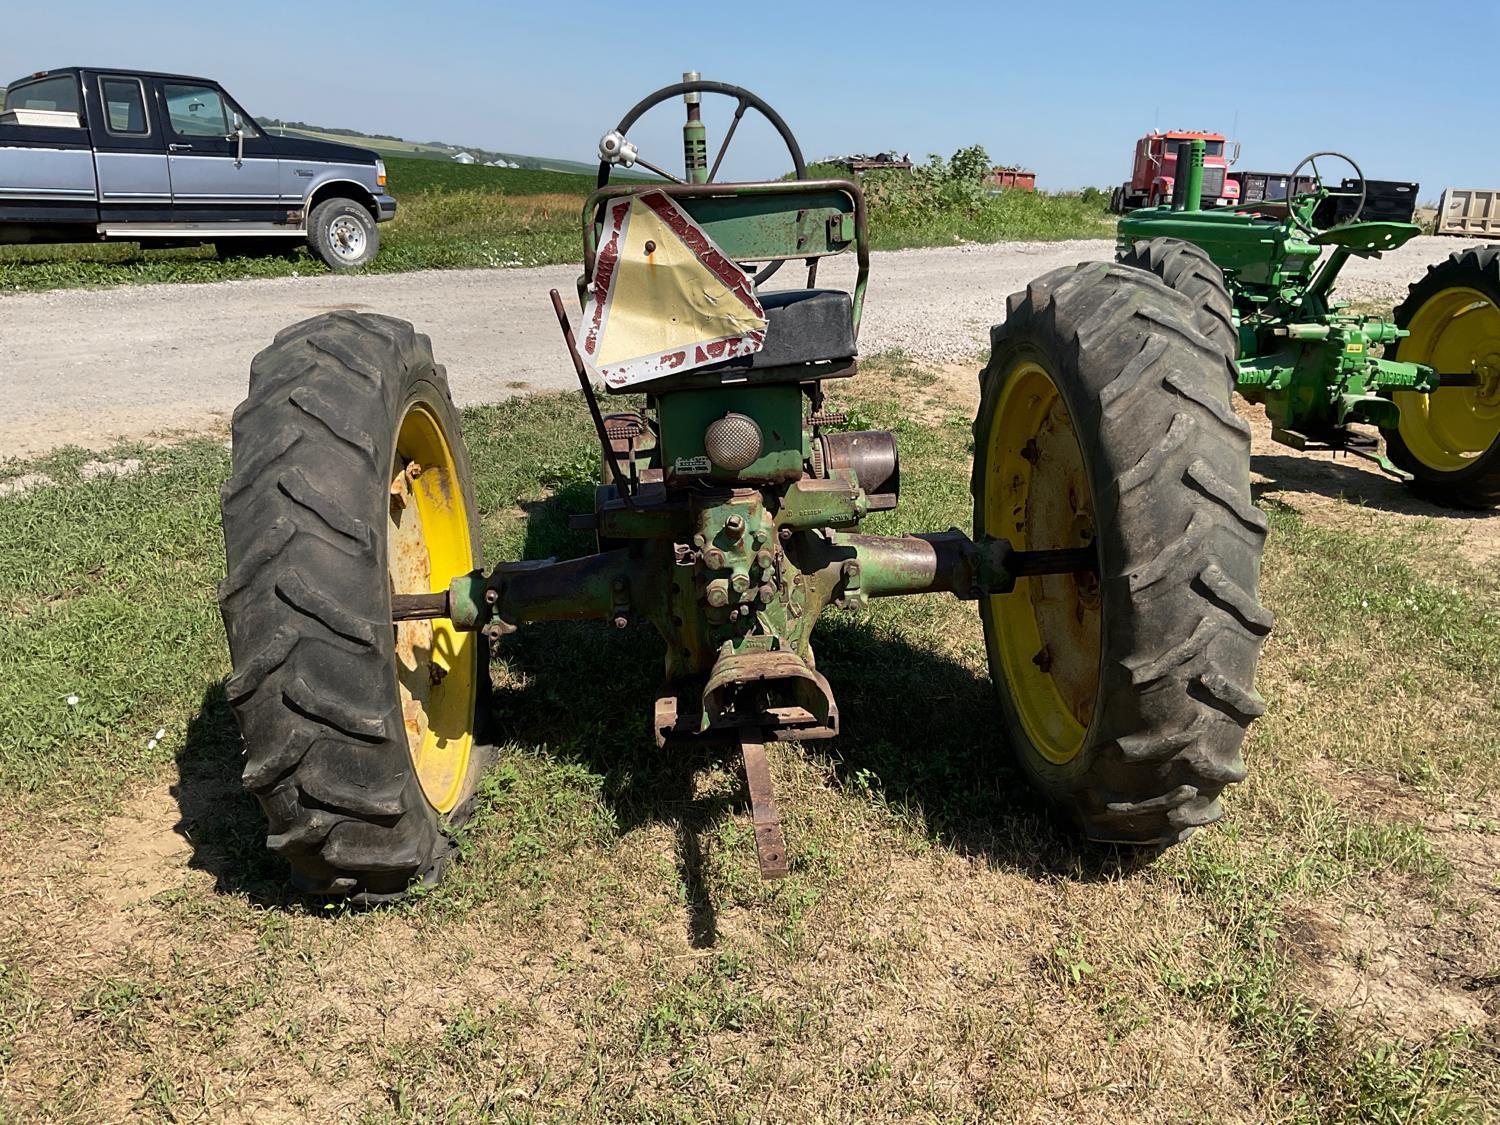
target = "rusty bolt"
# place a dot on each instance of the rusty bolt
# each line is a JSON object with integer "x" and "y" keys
{"x": 413, "y": 470}
{"x": 735, "y": 526}
{"x": 768, "y": 593}
{"x": 764, "y": 559}
{"x": 785, "y": 533}
{"x": 713, "y": 558}
{"x": 650, "y": 247}
{"x": 718, "y": 593}
{"x": 491, "y": 595}
{"x": 851, "y": 570}
{"x": 699, "y": 541}
{"x": 740, "y": 583}
{"x": 621, "y": 621}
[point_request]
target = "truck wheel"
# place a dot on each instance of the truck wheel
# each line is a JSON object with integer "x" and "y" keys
{"x": 1104, "y": 420}
{"x": 1189, "y": 270}
{"x": 351, "y": 483}
{"x": 343, "y": 234}
{"x": 1450, "y": 440}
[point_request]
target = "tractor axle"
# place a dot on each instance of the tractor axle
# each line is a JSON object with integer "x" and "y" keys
{"x": 867, "y": 566}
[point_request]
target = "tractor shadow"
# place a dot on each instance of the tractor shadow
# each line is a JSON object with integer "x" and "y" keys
{"x": 920, "y": 735}
{"x": 219, "y": 819}
{"x": 1351, "y": 480}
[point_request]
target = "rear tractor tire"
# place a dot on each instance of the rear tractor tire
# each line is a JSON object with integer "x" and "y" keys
{"x": 351, "y": 483}
{"x": 1187, "y": 268}
{"x": 1105, "y": 420}
{"x": 1449, "y": 441}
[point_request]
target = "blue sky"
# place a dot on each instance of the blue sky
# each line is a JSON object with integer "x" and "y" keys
{"x": 1061, "y": 87}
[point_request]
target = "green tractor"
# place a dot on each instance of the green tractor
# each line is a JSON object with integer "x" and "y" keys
{"x": 1114, "y": 558}
{"x": 1427, "y": 378}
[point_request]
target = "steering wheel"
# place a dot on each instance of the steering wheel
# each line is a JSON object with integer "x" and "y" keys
{"x": 1318, "y": 189}
{"x": 615, "y": 149}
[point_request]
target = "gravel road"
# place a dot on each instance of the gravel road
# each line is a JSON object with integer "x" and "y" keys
{"x": 94, "y": 367}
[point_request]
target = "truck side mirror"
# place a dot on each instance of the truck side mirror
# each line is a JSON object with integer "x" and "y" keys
{"x": 238, "y": 136}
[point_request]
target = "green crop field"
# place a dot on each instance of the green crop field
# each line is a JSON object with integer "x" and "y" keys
{"x": 457, "y": 216}
{"x": 944, "y": 949}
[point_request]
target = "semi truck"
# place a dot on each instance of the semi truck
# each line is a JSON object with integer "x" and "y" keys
{"x": 1155, "y": 170}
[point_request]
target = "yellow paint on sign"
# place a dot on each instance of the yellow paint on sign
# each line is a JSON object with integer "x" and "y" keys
{"x": 664, "y": 297}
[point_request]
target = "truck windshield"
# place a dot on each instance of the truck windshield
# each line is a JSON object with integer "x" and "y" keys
{"x": 1210, "y": 148}
{"x": 60, "y": 93}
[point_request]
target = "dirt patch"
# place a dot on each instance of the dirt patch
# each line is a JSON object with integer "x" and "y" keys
{"x": 1351, "y": 493}
{"x": 1381, "y": 970}
{"x": 1415, "y": 959}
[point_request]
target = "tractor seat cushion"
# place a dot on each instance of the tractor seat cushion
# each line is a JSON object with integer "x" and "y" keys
{"x": 802, "y": 326}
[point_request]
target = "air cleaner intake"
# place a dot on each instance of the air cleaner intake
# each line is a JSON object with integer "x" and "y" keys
{"x": 732, "y": 442}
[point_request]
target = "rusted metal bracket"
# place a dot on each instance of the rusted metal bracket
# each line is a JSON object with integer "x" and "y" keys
{"x": 770, "y": 845}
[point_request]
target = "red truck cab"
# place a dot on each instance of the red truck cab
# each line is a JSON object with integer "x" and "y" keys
{"x": 1155, "y": 170}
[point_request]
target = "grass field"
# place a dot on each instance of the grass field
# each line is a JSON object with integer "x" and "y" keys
{"x": 455, "y": 216}
{"x": 943, "y": 950}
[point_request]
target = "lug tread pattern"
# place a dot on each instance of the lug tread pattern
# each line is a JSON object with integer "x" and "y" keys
{"x": 1146, "y": 377}
{"x": 306, "y": 604}
{"x": 1188, "y": 269}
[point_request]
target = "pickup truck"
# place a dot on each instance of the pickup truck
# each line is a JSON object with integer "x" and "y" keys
{"x": 89, "y": 155}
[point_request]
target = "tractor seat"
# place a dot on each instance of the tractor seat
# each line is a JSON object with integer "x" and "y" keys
{"x": 802, "y": 326}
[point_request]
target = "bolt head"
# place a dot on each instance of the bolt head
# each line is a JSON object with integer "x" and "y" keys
{"x": 713, "y": 558}
{"x": 621, "y": 621}
{"x": 785, "y": 533}
{"x": 764, "y": 559}
{"x": 768, "y": 593}
{"x": 740, "y": 583}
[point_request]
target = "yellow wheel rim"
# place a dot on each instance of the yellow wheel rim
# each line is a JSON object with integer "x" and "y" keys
{"x": 1045, "y": 633}
{"x": 1455, "y": 331}
{"x": 437, "y": 668}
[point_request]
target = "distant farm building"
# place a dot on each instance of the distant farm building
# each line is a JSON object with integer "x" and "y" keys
{"x": 462, "y": 158}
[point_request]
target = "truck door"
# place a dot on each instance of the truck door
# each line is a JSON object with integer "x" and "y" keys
{"x": 130, "y": 153}
{"x": 217, "y": 179}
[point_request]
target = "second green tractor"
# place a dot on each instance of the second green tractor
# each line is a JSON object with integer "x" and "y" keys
{"x": 1426, "y": 377}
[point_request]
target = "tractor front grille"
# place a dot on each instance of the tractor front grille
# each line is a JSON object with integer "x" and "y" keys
{"x": 1213, "y": 182}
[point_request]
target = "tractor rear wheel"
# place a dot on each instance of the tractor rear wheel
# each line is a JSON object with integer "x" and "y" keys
{"x": 1187, "y": 268}
{"x": 1449, "y": 441}
{"x": 351, "y": 483}
{"x": 1105, "y": 420}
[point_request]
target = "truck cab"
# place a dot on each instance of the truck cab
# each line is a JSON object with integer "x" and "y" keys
{"x": 93, "y": 154}
{"x": 1154, "y": 170}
